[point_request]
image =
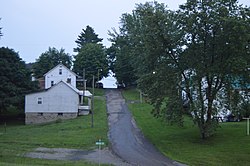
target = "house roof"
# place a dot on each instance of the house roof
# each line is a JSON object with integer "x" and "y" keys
{"x": 86, "y": 92}
{"x": 60, "y": 64}
{"x": 70, "y": 86}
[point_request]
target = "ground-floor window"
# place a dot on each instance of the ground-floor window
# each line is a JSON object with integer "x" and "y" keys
{"x": 39, "y": 100}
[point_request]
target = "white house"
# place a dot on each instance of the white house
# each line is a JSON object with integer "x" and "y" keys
{"x": 59, "y": 100}
{"x": 59, "y": 73}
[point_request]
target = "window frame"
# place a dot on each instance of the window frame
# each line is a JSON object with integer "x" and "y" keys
{"x": 60, "y": 71}
{"x": 39, "y": 100}
{"x": 52, "y": 83}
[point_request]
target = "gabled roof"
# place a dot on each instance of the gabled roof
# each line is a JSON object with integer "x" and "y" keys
{"x": 70, "y": 86}
{"x": 86, "y": 92}
{"x": 60, "y": 64}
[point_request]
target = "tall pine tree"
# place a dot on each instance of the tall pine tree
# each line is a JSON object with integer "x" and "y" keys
{"x": 86, "y": 36}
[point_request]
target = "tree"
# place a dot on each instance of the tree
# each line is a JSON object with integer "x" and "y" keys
{"x": 92, "y": 58}
{"x": 120, "y": 61}
{"x": 153, "y": 42}
{"x": 15, "y": 80}
{"x": 87, "y": 36}
{"x": 199, "y": 50}
{"x": 50, "y": 59}
{"x": 216, "y": 36}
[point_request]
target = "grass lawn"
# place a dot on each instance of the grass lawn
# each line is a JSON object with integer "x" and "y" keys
{"x": 76, "y": 133}
{"x": 230, "y": 145}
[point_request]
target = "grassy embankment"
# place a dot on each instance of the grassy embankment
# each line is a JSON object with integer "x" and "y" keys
{"x": 76, "y": 133}
{"x": 230, "y": 145}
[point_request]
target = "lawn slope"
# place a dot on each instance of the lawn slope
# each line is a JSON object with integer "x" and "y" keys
{"x": 76, "y": 133}
{"x": 230, "y": 145}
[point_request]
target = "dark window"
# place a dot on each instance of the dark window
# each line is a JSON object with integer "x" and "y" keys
{"x": 52, "y": 83}
{"x": 60, "y": 114}
{"x": 60, "y": 71}
{"x": 69, "y": 80}
{"x": 39, "y": 100}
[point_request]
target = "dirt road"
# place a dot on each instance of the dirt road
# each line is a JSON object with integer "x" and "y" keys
{"x": 126, "y": 139}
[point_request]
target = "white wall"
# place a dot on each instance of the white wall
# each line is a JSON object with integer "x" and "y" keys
{"x": 59, "y": 98}
{"x": 54, "y": 75}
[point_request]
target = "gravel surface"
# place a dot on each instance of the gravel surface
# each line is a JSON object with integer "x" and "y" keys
{"x": 103, "y": 156}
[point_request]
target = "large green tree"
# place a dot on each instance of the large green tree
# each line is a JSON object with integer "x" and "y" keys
{"x": 50, "y": 59}
{"x": 15, "y": 80}
{"x": 217, "y": 40}
{"x": 91, "y": 58}
{"x": 120, "y": 61}
{"x": 153, "y": 40}
{"x": 87, "y": 35}
{"x": 199, "y": 50}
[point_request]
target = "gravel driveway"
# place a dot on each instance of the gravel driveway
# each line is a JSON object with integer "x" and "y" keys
{"x": 126, "y": 139}
{"x": 103, "y": 156}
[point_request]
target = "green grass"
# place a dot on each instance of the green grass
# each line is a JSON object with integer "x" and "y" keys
{"x": 76, "y": 133}
{"x": 97, "y": 92}
{"x": 131, "y": 94}
{"x": 230, "y": 145}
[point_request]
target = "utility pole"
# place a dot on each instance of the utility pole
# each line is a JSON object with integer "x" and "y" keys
{"x": 92, "y": 102}
{"x": 98, "y": 78}
{"x": 98, "y": 74}
{"x": 84, "y": 84}
{"x": 84, "y": 81}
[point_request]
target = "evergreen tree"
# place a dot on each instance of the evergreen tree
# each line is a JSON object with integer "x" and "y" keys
{"x": 92, "y": 58}
{"x": 87, "y": 36}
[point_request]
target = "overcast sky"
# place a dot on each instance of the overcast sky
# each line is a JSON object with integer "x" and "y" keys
{"x": 30, "y": 27}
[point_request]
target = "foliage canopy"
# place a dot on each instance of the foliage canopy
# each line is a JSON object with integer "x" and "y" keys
{"x": 50, "y": 59}
{"x": 92, "y": 58}
{"x": 15, "y": 80}
{"x": 193, "y": 55}
{"x": 86, "y": 36}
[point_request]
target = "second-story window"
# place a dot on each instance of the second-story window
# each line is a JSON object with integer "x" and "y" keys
{"x": 60, "y": 71}
{"x": 69, "y": 80}
{"x": 52, "y": 83}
